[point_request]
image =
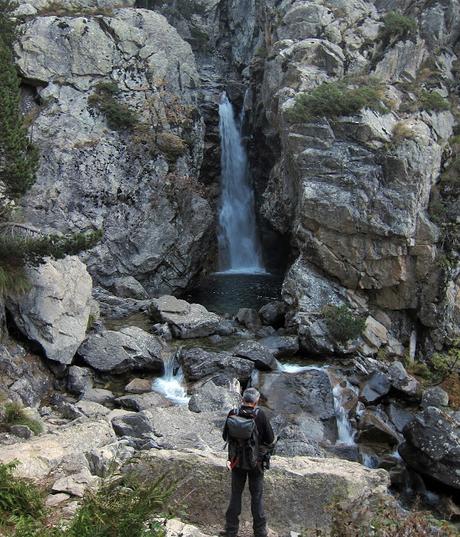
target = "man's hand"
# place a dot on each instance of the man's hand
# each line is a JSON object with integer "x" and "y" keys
{"x": 229, "y": 465}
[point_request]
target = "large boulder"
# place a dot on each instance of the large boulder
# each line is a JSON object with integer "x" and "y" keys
{"x": 127, "y": 350}
{"x": 185, "y": 320}
{"x": 209, "y": 397}
{"x": 304, "y": 398}
{"x": 304, "y": 487}
{"x": 432, "y": 446}
{"x": 281, "y": 346}
{"x": 197, "y": 364}
{"x": 262, "y": 357}
{"x": 374, "y": 388}
{"x": 55, "y": 312}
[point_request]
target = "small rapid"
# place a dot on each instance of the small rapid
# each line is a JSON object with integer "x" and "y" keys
{"x": 172, "y": 384}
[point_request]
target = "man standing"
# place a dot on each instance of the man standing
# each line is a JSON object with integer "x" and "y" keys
{"x": 249, "y": 435}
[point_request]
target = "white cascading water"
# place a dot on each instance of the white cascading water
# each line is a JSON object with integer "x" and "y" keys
{"x": 172, "y": 385}
{"x": 239, "y": 248}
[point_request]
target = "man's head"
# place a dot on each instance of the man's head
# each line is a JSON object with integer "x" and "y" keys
{"x": 251, "y": 397}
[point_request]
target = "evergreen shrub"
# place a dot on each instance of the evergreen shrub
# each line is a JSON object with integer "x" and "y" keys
{"x": 342, "y": 324}
{"x": 334, "y": 99}
{"x": 119, "y": 115}
{"x": 397, "y": 25}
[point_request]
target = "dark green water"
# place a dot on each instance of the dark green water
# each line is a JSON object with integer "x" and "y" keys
{"x": 227, "y": 293}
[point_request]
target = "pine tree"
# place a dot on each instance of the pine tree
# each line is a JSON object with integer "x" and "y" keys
{"x": 18, "y": 156}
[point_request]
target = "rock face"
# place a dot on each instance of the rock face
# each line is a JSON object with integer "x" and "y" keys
{"x": 432, "y": 446}
{"x": 198, "y": 364}
{"x": 137, "y": 182}
{"x": 118, "y": 352}
{"x": 54, "y": 313}
{"x": 185, "y": 320}
{"x": 302, "y": 486}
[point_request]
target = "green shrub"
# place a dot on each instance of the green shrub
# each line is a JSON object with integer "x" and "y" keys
{"x": 122, "y": 507}
{"x": 119, "y": 115}
{"x": 171, "y": 145}
{"x": 444, "y": 364}
{"x": 334, "y": 99}
{"x": 342, "y": 324}
{"x": 17, "y": 252}
{"x": 16, "y": 415}
{"x": 18, "y": 497}
{"x": 397, "y": 25}
{"x": 431, "y": 100}
{"x": 18, "y": 156}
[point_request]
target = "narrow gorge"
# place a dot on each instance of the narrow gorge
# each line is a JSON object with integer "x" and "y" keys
{"x": 217, "y": 194}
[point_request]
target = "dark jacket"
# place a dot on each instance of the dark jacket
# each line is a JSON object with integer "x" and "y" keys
{"x": 264, "y": 428}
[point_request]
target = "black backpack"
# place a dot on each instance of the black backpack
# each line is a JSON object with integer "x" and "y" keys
{"x": 243, "y": 439}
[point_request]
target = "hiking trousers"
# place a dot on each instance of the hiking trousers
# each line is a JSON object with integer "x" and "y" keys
{"x": 256, "y": 488}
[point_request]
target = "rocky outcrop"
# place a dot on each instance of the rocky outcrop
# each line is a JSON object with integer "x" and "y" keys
{"x": 129, "y": 349}
{"x": 432, "y": 446}
{"x": 55, "y": 312}
{"x": 198, "y": 364}
{"x": 303, "y": 486}
{"x": 134, "y": 174}
{"x": 184, "y": 320}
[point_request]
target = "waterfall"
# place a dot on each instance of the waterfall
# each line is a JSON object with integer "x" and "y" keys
{"x": 239, "y": 249}
{"x": 346, "y": 434}
{"x": 171, "y": 384}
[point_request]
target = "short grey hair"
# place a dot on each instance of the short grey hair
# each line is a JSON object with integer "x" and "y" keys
{"x": 250, "y": 395}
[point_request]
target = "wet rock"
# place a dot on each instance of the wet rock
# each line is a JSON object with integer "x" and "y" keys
{"x": 249, "y": 318}
{"x": 273, "y": 314}
{"x": 129, "y": 349}
{"x": 435, "y": 396}
{"x": 402, "y": 382}
{"x": 79, "y": 379}
{"x": 226, "y": 327}
{"x": 373, "y": 429}
{"x": 55, "y": 312}
{"x": 303, "y": 398}
{"x": 432, "y": 446}
{"x": 139, "y": 386}
{"x": 185, "y": 320}
{"x": 259, "y": 354}
{"x": 144, "y": 401}
{"x": 313, "y": 483}
{"x": 374, "y": 388}
{"x": 197, "y": 364}
{"x": 209, "y": 397}
{"x": 98, "y": 395}
{"x": 281, "y": 346}
{"x": 399, "y": 416}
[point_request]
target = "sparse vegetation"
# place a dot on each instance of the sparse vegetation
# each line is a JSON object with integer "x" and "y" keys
{"x": 342, "y": 324}
{"x": 18, "y": 156}
{"x": 122, "y": 507}
{"x": 119, "y": 115}
{"x": 396, "y": 25}
{"x": 402, "y": 131}
{"x": 431, "y": 100}
{"x": 15, "y": 414}
{"x": 17, "y": 252}
{"x": 171, "y": 145}
{"x": 334, "y": 99}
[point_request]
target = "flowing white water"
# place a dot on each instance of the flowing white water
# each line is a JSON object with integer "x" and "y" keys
{"x": 239, "y": 248}
{"x": 294, "y": 368}
{"x": 172, "y": 385}
{"x": 346, "y": 434}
